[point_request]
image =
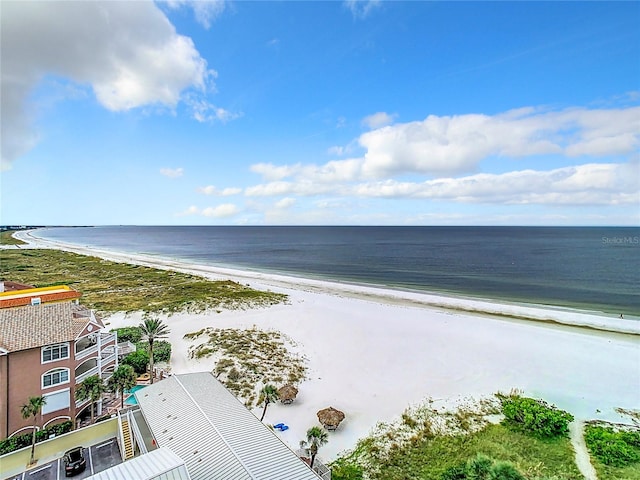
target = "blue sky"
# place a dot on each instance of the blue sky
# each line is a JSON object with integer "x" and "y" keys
{"x": 358, "y": 113}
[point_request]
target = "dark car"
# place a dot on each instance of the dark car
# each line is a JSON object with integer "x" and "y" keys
{"x": 74, "y": 461}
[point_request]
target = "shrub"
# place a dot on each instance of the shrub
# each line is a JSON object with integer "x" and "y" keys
{"x": 161, "y": 350}
{"x": 17, "y": 442}
{"x": 478, "y": 468}
{"x": 139, "y": 360}
{"x": 129, "y": 334}
{"x": 617, "y": 449}
{"x": 535, "y": 417}
{"x": 505, "y": 471}
{"x": 346, "y": 471}
{"x": 483, "y": 467}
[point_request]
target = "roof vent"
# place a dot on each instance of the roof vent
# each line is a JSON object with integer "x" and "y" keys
{"x": 36, "y": 301}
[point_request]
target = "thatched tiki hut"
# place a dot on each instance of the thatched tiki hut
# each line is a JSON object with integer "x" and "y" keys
{"x": 330, "y": 418}
{"x": 287, "y": 394}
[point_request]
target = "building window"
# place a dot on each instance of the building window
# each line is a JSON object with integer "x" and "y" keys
{"x": 52, "y": 353}
{"x": 57, "y": 401}
{"x": 55, "y": 377}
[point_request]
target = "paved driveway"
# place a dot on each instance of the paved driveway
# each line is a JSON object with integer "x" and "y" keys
{"x": 99, "y": 457}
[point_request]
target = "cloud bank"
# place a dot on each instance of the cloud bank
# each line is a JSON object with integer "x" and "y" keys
{"x": 127, "y": 52}
{"x": 442, "y": 146}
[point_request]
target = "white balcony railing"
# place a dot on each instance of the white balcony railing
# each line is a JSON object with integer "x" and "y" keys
{"x": 86, "y": 352}
{"x": 108, "y": 338}
{"x": 88, "y": 373}
{"x": 108, "y": 359}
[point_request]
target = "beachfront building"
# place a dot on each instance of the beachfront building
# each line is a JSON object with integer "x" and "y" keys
{"x": 49, "y": 343}
{"x": 197, "y": 418}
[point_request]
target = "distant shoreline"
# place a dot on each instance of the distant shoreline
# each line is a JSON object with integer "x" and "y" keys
{"x": 497, "y": 308}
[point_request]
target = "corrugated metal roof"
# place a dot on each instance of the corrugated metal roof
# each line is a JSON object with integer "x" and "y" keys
{"x": 218, "y": 438}
{"x": 160, "y": 464}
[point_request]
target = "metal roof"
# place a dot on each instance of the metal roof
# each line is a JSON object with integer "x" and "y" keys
{"x": 160, "y": 464}
{"x": 218, "y": 438}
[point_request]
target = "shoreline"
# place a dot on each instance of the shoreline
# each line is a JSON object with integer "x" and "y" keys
{"x": 509, "y": 311}
{"x": 372, "y": 356}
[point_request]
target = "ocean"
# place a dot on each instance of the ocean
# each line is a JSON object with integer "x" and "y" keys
{"x": 585, "y": 268}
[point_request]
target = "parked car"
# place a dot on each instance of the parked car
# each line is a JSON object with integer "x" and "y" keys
{"x": 74, "y": 461}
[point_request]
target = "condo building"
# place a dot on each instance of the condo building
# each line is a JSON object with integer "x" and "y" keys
{"x": 49, "y": 343}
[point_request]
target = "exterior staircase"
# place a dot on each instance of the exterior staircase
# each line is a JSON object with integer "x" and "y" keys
{"x": 128, "y": 443}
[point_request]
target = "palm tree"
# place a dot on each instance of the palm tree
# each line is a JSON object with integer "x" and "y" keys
{"x": 91, "y": 388}
{"x": 123, "y": 378}
{"x": 316, "y": 437}
{"x": 269, "y": 394}
{"x": 32, "y": 409}
{"x": 152, "y": 329}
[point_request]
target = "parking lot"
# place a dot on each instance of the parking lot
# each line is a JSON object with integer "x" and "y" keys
{"x": 99, "y": 457}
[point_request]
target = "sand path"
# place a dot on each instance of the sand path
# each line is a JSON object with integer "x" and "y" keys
{"x": 583, "y": 460}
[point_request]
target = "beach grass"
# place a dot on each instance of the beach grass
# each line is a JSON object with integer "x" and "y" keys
{"x": 7, "y": 239}
{"x": 247, "y": 359}
{"x": 425, "y": 442}
{"x": 120, "y": 287}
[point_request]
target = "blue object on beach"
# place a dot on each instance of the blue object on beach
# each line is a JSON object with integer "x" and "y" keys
{"x": 278, "y": 425}
{"x": 283, "y": 428}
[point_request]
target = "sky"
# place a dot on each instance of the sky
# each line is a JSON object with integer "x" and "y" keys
{"x": 320, "y": 113}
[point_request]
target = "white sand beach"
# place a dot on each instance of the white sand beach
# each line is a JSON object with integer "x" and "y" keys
{"x": 373, "y": 352}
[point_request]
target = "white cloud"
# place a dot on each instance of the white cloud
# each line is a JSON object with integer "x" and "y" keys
{"x": 590, "y": 184}
{"x": 223, "y": 210}
{"x": 204, "y": 111}
{"x": 220, "y": 211}
{"x": 205, "y": 11}
{"x": 225, "y": 192}
{"x": 361, "y": 8}
{"x": 377, "y": 120}
{"x": 172, "y": 172}
{"x": 192, "y": 210}
{"x": 127, "y": 52}
{"x": 285, "y": 203}
{"x": 445, "y": 146}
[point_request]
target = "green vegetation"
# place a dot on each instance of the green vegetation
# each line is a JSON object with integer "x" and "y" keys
{"x": 430, "y": 444}
{"x": 129, "y": 334}
{"x": 615, "y": 452}
{"x": 139, "y": 360}
{"x": 268, "y": 394}
{"x": 161, "y": 348}
{"x": 119, "y": 287}
{"x": 17, "y": 442}
{"x": 535, "y": 417}
{"x": 482, "y": 467}
{"x": 316, "y": 437}
{"x": 245, "y": 360}
{"x": 122, "y": 379}
{"x": 7, "y": 239}
{"x": 91, "y": 388}
{"x": 32, "y": 409}
{"x": 153, "y": 329}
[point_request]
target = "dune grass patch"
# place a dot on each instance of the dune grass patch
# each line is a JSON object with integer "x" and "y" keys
{"x": 246, "y": 360}
{"x": 121, "y": 287}
{"x": 7, "y": 239}
{"x": 437, "y": 444}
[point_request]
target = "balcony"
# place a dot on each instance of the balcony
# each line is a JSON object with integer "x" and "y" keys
{"x": 88, "y": 373}
{"x": 88, "y": 345}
